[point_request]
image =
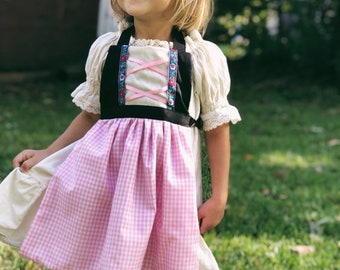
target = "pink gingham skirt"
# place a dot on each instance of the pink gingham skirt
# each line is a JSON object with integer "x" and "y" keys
{"x": 125, "y": 198}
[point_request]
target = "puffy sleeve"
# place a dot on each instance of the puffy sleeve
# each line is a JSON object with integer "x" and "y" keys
{"x": 86, "y": 95}
{"x": 211, "y": 82}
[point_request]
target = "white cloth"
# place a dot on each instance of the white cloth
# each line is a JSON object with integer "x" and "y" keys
{"x": 21, "y": 194}
{"x": 206, "y": 259}
{"x": 156, "y": 81}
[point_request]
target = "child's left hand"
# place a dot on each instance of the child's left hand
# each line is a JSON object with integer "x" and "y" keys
{"x": 210, "y": 214}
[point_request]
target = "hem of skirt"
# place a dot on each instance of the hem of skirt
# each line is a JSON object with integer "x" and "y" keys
{"x": 8, "y": 241}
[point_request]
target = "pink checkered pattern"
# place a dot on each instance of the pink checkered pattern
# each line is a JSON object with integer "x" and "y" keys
{"x": 124, "y": 199}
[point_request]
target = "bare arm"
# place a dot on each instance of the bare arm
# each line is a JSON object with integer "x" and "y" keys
{"x": 218, "y": 148}
{"x": 77, "y": 129}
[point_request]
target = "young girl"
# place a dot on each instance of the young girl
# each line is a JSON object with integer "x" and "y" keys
{"x": 128, "y": 196}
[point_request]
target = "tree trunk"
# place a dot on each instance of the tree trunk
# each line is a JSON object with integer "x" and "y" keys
{"x": 106, "y": 21}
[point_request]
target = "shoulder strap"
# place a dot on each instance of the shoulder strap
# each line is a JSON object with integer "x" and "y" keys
{"x": 125, "y": 36}
{"x": 184, "y": 78}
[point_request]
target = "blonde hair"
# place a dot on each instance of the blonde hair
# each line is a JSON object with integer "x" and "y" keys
{"x": 188, "y": 15}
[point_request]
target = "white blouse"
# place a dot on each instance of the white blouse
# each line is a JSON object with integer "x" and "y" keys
{"x": 211, "y": 80}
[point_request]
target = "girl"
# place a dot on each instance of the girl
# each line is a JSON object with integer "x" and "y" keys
{"x": 128, "y": 196}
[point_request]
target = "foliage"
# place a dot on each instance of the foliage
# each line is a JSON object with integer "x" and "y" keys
{"x": 287, "y": 34}
{"x": 284, "y": 188}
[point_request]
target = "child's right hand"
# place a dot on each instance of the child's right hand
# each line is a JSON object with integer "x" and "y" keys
{"x": 28, "y": 158}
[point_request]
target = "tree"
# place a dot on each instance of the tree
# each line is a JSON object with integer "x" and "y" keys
{"x": 289, "y": 34}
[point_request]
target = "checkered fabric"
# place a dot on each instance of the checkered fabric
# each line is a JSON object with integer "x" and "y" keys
{"x": 125, "y": 198}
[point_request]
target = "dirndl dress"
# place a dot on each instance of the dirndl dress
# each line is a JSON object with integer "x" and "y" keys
{"x": 126, "y": 197}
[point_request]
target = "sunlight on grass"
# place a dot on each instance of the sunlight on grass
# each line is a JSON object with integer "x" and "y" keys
{"x": 11, "y": 260}
{"x": 271, "y": 252}
{"x": 294, "y": 160}
{"x": 284, "y": 188}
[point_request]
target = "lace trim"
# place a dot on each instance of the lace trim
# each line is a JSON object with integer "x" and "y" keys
{"x": 219, "y": 117}
{"x": 150, "y": 42}
{"x": 84, "y": 98}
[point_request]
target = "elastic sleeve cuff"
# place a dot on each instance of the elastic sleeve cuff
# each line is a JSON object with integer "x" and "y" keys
{"x": 84, "y": 98}
{"x": 220, "y": 116}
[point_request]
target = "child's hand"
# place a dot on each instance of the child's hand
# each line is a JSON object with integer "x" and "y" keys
{"x": 210, "y": 214}
{"x": 28, "y": 158}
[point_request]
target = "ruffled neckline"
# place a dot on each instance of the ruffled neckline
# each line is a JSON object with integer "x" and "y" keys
{"x": 150, "y": 42}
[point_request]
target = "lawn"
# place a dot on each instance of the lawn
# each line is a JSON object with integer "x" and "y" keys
{"x": 284, "y": 204}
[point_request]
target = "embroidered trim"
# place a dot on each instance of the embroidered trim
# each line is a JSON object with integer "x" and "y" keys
{"x": 172, "y": 80}
{"x": 122, "y": 74}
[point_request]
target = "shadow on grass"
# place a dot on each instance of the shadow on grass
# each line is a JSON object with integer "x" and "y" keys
{"x": 285, "y": 159}
{"x": 284, "y": 180}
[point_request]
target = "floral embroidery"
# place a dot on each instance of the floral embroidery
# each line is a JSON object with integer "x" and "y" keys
{"x": 172, "y": 79}
{"x": 122, "y": 74}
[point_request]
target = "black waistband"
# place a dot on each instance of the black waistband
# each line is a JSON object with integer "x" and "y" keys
{"x": 148, "y": 112}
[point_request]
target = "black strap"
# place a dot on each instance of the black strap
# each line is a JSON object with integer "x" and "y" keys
{"x": 125, "y": 36}
{"x": 183, "y": 91}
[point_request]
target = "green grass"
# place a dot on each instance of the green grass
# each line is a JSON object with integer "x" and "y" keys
{"x": 285, "y": 169}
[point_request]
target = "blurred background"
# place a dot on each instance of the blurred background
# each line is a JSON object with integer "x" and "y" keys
{"x": 274, "y": 36}
{"x": 280, "y": 35}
